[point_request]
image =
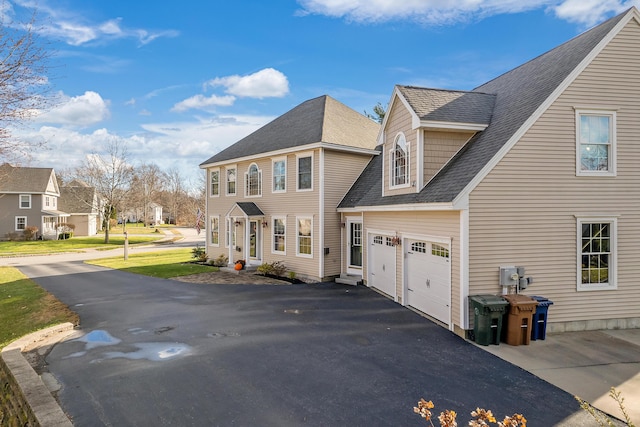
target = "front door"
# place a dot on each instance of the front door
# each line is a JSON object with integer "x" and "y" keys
{"x": 254, "y": 240}
{"x": 354, "y": 243}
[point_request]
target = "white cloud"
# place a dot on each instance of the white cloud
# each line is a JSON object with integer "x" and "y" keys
{"x": 438, "y": 12}
{"x": 78, "y": 111}
{"x": 202, "y": 102}
{"x": 74, "y": 29}
{"x": 266, "y": 83}
{"x": 591, "y": 12}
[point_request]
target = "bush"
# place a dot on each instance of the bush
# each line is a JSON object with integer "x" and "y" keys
{"x": 275, "y": 268}
{"x": 221, "y": 261}
{"x": 30, "y": 233}
{"x": 200, "y": 254}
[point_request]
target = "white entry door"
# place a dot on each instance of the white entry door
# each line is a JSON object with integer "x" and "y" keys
{"x": 428, "y": 278}
{"x": 382, "y": 264}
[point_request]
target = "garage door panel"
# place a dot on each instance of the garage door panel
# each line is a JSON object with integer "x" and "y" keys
{"x": 382, "y": 265}
{"x": 428, "y": 278}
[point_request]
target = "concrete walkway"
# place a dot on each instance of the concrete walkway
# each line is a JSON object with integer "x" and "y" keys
{"x": 586, "y": 364}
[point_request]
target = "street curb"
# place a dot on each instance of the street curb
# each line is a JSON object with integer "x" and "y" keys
{"x": 37, "y": 395}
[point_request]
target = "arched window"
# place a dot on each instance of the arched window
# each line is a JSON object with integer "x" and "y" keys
{"x": 400, "y": 161}
{"x": 253, "y": 181}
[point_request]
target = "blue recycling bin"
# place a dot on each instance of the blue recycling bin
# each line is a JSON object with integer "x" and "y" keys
{"x": 539, "y": 323}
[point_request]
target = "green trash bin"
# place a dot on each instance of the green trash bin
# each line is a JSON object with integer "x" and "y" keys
{"x": 488, "y": 311}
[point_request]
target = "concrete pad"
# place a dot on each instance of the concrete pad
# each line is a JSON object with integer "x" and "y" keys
{"x": 586, "y": 364}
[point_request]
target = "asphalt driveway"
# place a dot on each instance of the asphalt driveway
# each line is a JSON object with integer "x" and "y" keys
{"x": 158, "y": 352}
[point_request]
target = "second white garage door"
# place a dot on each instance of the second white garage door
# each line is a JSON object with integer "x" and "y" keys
{"x": 428, "y": 278}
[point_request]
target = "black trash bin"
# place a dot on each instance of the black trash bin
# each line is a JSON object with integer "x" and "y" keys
{"x": 539, "y": 323}
{"x": 487, "y": 322}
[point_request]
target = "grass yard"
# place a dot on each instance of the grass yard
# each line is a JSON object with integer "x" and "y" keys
{"x": 75, "y": 244}
{"x": 164, "y": 264}
{"x": 25, "y": 307}
{"x": 131, "y": 228}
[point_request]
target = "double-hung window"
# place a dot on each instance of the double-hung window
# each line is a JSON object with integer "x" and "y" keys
{"x": 279, "y": 175}
{"x": 215, "y": 230}
{"x": 25, "y": 201}
{"x": 305, "y": 172}
{"x": 596, "y": 143}
{"x": 279, "y": 235}
{"x": 304, "y": 228}
{"x": 215, "y": 183}
{"x": 253, "y": 181}
{"x": 597, "y": 253}
{"x": 399, "y": 162}
{"x": 21, "y": 223}
{"x": 231, "y": 181}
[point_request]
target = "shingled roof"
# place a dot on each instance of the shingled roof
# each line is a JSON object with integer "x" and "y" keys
{"x": 78, "y": 200}
{"x": 321, "y": 119}
{"x": 24, "y": 179}
{"x": 518, "y": 94}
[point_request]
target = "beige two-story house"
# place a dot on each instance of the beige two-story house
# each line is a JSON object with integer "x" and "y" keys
{"x": 29, "y": 198}
{"x": 536, "y": 168}
{"x": 273, "y": 195}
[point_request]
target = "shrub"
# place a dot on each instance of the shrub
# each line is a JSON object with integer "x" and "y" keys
{"x": 481, "y": 417}
{"x": 200, "y": 254}
{"x": 264, "y": 269}
{"x": 276, "y": 268}
{"x": 221, "y": 261}
{"x": 30, "y": 233}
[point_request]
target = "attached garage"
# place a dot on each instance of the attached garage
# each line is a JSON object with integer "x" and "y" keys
{"x": 427, "y": 278}
{"x": 382, "y": 264}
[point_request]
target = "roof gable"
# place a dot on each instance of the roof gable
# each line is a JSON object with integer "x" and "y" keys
{"x": 75, "y": 199}
{"x": 521, "y": 95}
{"x": 27, "y": 180}
{"x": 321, "y": 119}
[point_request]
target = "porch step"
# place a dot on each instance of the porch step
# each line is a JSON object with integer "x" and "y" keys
{"x": 349, "y": 279}
{"x": 247, "y": 269}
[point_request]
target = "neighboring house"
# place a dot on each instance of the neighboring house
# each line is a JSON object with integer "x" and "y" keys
{"x": 82, "y": 203}
{"x": 538, "y": 168}
{"x": 29, "y": 198}
{"x": 155, "y": 214}
{"x": 272, "y": 196}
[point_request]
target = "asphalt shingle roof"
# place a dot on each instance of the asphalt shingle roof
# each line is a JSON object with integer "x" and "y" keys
{"x": 321, "y": 119}
{"x": 24, "y": 179}
{"x": 518, "y": 94}
{"x": 78, "y": 200}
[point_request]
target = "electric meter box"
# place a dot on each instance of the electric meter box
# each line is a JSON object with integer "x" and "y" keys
{"x": 509, "y": 276}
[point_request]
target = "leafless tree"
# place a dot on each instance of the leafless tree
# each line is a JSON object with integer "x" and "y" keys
{"x": 148, "y": 182}
{"x": 24, "y": 85}
{"x": 111, "y": 175}
{"x": 176, "y": 193}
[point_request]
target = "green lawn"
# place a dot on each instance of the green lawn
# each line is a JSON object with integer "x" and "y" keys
{"x": 75, "y": 244}
{"x": 25, "y": 307}
{"x": 164, "y": 264}
{"x": 133, "y": 228}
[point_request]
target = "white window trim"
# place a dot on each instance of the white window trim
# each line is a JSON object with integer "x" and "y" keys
{"x": 298, "y": 218}
{"x": 613, "y": 262}
{"x": 273, "y": 240}
{"x": 298, "y": 157}
{"x": 226, "y": 181}
{"x": 273, "y": 175}
{"x": 612, "y": 154}
{"x": 211, "y": 172}
{"x": 211, "y": 218}
{"x": 246, "y": 181}
{"x": 392, "y": 166}
{"x": 25, "y": 223}
{"x": 20, "y": 201}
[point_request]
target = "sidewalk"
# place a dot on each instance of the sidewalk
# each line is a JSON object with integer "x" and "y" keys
{"x": 586, "y": 364}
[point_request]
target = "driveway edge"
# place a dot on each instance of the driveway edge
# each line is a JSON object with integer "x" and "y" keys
{"x": 36, "y": 395}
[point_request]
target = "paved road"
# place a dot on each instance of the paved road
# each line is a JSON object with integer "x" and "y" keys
{"x": 159, "y": 352}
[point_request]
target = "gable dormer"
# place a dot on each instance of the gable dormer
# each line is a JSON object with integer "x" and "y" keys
{"x": 423, "y": 129}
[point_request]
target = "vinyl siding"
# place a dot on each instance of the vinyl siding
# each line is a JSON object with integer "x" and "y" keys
{"x": 399, "y": 121}
{"x": 439, "y": 147}
{"x": 341, "y": 170}
{"x": 429, "y": 224}
{"x": 524, "y": 212}
{"x": 9, "y": 210}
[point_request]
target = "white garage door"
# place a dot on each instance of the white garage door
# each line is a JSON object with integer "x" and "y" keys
{"x": 382, "y": 264}
{"x": 428, "y": 278}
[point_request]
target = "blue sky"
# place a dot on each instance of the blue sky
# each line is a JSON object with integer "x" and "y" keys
{"x": 179, "y": 81}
